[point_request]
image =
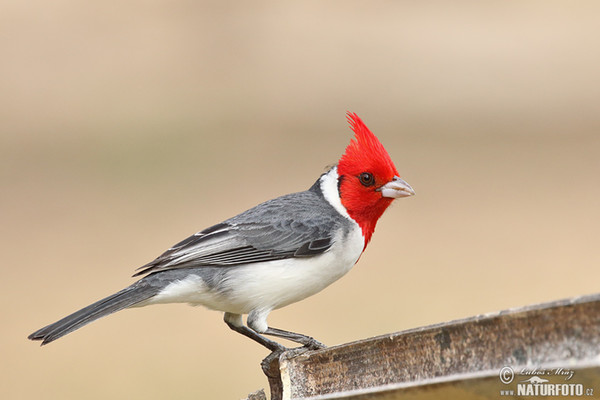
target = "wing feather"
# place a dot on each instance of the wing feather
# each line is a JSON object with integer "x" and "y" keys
{"x": 296, "y": 225}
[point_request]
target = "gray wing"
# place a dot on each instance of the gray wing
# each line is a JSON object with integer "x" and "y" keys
{"x": 295, "y": 225}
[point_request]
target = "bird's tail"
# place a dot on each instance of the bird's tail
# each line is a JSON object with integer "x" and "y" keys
{"x": 127, "y": 297}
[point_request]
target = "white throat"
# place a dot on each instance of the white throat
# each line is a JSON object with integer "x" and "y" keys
{"x": 329, "y": 188}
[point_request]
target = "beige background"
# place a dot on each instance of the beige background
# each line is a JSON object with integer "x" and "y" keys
{"x": 126, "y": 126}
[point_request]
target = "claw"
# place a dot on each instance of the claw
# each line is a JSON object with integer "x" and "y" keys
{"x": 315, "y": 345}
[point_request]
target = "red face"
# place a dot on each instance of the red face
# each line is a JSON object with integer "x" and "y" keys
{"x": 364, "y": 170}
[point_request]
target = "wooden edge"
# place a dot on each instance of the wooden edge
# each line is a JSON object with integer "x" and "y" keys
{"x": 564, "y": 332}
{"x": 477, "y": 385}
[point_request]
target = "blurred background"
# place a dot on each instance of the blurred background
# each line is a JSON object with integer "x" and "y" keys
{"x": 126, "y": 126}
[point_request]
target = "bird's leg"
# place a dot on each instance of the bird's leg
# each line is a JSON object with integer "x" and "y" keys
{"x": 257, "y": 321}
{"x": 307, "y": 341}
{"x": 234, "y": 321}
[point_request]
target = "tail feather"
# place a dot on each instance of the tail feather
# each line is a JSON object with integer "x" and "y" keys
{"x": 125, "y": 298}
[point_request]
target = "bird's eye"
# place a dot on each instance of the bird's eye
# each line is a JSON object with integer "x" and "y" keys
{"x": 366, "y": 179}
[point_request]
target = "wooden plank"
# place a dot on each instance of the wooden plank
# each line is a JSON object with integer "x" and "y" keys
{"x": 474, "y": 387}
{"x": 563, "y": 334}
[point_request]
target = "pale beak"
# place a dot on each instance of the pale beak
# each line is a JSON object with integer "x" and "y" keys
{"x": 396, "y": 188}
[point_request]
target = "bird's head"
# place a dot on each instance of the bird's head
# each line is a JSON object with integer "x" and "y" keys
{"x": 368, "y": 181}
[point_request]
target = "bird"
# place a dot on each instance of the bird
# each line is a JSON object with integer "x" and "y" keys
{"x": 272, "y": 255}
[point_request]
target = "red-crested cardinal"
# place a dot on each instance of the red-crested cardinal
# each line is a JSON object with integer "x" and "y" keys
{"x": 269, "y": 256}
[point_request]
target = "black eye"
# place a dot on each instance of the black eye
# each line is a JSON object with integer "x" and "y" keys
{"x": 366, "y": 179}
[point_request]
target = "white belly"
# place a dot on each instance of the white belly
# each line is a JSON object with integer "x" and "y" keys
{"x": 268, "y": 285}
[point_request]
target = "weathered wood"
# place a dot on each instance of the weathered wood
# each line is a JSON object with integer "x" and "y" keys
{"x": 258, "y": 395}
{"x": 560, "y": 334}
{"x": 466, "y": 387}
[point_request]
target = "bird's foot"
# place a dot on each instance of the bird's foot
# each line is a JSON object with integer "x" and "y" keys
{"x": 314, "y": 344}
{"x": 267, "y": 364}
